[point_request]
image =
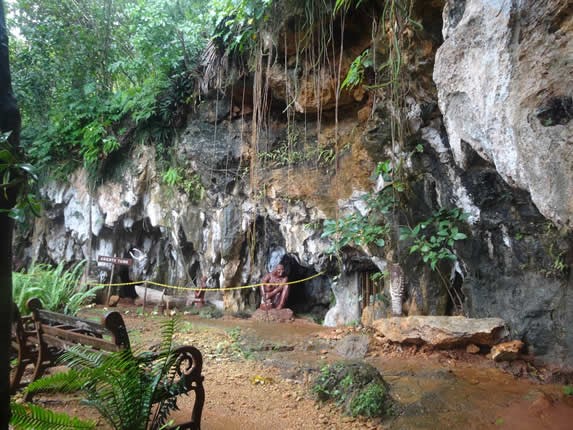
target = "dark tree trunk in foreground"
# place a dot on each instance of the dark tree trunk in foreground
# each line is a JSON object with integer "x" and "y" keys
{"x": 9, "y": 121}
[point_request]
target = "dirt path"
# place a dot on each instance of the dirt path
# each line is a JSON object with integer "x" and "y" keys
{"x": 258, "y": 376}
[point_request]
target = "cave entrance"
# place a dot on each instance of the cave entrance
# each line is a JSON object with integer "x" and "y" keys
{"x": 311, "y": 297}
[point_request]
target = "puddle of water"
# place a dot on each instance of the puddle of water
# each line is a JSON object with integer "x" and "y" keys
{"x": 433, "y": 395}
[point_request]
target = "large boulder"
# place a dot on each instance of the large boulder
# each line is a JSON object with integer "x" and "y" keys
{"x": 442, "y": 331}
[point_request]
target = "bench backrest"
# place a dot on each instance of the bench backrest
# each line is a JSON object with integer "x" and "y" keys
{"x": 62, "y": 331}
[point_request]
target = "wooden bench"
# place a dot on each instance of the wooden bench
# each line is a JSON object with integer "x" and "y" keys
{"x": 25, "y": 346}
{"x": 55, "y": 332}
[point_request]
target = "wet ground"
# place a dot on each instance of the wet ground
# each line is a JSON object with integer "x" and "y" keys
{"x": 258, "y": 376}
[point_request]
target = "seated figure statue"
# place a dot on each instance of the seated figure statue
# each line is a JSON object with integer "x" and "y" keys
{"x": 199, "y": 299}
{"x": 274, "y": 289}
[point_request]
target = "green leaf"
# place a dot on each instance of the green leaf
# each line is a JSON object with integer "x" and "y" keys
{"x": 6, "y": 156}
{"x": 30, "y": 170}
{"x": 30, "y": 416}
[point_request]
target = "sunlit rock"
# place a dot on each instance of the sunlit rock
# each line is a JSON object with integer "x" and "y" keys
{"x": 442, "y": 331}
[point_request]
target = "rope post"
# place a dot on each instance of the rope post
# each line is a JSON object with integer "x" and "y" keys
{"x": 144, "y": 296}
{"x": 108, "y": 289}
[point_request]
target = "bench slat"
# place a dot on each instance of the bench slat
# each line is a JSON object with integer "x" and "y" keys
{"x": 64, "y": 339}
{"x": 54, "y": 319}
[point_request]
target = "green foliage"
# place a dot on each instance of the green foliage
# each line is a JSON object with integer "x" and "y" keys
{"x": 238, "y": 346}
{"x": 30, "y": 416}
{"x": 357, "y": 387}
{"x": 210, "y": 312}
{"x": 82, "y": 67}
{"x": 190, "y": 185}
{"x": 122, "y": 386}
{"x": 16, "y": 174}
{"x": 237, "y": 23}
{"x": 355, "y": 73}
{"x": 354, "y": 229}
{"x": 172, "y": 176}
{"x": 345, "y": 5}
{"x": 568, "y": 390}
{"x": 363, "y": 230}
{"x": 379, "y": 276}
{"x": 57, "y": 288}
{"x": 369, "y": 401}
{"x": 434, "y": 238}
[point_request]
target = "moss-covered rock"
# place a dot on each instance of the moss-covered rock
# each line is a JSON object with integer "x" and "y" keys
{"x": 355, "y": 386}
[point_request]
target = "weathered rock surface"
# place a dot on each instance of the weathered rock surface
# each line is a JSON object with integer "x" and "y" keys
{"x": 500, "y": 152}
{"x": 506, "y": 351}
{"x": 279, "y": 315}
{"x": 353, "y": 346}
{"x": 504, "y": 82}
{"x": 442, "y": 331}
{"x": 472, "y": 349}
{"x": 346, "y": 310}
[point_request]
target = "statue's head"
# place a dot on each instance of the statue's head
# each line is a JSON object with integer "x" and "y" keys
{"x": 279, "y": 270}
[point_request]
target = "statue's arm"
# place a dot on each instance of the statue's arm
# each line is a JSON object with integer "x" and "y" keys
{"x": 277, "y": 288}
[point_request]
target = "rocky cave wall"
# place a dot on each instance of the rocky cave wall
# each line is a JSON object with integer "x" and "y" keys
{"x": 496, "y": 136}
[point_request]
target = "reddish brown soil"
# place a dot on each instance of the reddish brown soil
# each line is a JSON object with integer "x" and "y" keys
{"x": 263, "y": 381}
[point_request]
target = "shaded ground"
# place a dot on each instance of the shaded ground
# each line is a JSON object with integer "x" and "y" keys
{"x": 258, "y": 374}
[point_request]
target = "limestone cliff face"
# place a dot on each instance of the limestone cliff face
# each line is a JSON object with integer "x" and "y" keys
{"x": 504, "y": 82}
{"x": 491, "y": 134}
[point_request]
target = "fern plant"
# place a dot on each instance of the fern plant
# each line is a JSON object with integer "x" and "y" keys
{"x": 130, "y": 391}
{"x": 56, "y": 287}
{"x": 29, "y": 416}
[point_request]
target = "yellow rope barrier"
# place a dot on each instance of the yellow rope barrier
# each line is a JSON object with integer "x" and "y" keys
{"x": 174, "y": 287}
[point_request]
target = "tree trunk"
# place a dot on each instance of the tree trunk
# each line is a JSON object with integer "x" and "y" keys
{"x": 9, "y": 121}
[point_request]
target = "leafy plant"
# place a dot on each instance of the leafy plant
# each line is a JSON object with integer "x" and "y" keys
{"x": 237, "y": 345}
{"x": 210, "y": 312}
{"x": 237, "y": 23}
{"x": 362, "y": 230}
{"x": 354, "y": 229}
{"x": 568, "y": 390}
{"x": 434, "y": 238}
{"x": 81, "y": 69}
{"x": 357, "y": 387}
{"x": 367, "y": 403}
{"x": 57, "y": 288}
{"x": 355, "y": 73}
{"x": 191, "y": 185}
{"x": 16, "y": 174}
{"x": 122, "y": 386}
{"x": 172, "y": 176}
{"x": 30, "y": 416}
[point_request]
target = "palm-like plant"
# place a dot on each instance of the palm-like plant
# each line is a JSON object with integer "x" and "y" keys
{"x": 130, "y": 391}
